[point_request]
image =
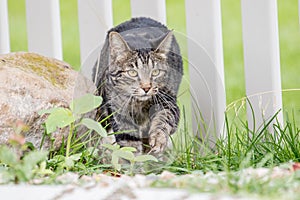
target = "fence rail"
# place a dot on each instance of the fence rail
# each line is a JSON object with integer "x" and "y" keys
{"x": 204, "y": 35}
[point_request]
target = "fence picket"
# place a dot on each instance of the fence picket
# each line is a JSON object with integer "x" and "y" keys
{"x": 4, "y": 30}
{"x": 205, "y": 57}
{"x": 155, "y": 9}
{"x": 95, "y": 18}
{"x": 43, "y": 27}
{"x": 261, "y": 57}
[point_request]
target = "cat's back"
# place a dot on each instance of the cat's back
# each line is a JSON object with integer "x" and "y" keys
{"x": 135, "y": 23}
{"x": 140, "y": 32}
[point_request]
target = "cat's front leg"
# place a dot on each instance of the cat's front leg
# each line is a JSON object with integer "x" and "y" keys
{"x": 163, "y": 124}
{"x": 131, "y": 135}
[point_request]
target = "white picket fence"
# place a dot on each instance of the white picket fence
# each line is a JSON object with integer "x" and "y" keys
{"x": 205, "y": 51}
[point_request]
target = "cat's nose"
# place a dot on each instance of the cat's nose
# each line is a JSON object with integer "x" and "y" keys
{"x": 146, "y": 86}
{"x": 146, "y": 89}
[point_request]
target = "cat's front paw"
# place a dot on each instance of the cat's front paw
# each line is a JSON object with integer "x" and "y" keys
{"x": 158, "y": 141}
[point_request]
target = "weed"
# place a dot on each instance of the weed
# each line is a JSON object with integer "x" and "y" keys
{"x": 22, "y": 168}
{"x": 126, "y": 153}
{"x": 73, "y": 117}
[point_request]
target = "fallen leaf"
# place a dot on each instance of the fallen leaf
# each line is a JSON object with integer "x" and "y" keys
{"x": 296, "y": 166}
{"x": 17, "y": 139}
{"x": 112, "y": 173}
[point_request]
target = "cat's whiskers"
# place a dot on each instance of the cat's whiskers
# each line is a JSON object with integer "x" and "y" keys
{"x": 124, "y": 106}
{"x": 110, "y": 99}
{"x": 131, "y": 110}
{"x": 166, "y": 94}
{"x": 163, "y": 109}
{"x": 135, "y": 91}
{"x": 163, "y": 99}
{"x": 167, "y": 101}
{"x": 172, "y": 109}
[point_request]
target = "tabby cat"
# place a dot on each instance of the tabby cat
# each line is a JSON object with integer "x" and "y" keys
{"x": 138, "y": 76}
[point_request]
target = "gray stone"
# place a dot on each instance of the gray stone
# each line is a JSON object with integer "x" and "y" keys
{"x": 29, "y": 83}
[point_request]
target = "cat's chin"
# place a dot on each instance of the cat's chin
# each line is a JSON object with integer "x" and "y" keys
{"x": 143, "y": 98}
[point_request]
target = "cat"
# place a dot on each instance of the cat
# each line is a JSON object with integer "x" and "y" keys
{"x": 138, "y": 76}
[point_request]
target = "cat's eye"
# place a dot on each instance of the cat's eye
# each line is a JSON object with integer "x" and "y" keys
{"x": 155, "y": 72}
{"x": 132, "y": 73}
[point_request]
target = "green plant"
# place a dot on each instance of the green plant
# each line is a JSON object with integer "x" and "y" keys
{"x": 126, "y": 153}
{"x": 21, "y": 166}
{"x": 267, "y": 145}
{"x": 73, "y": 117}
{"x": 84, "y": 162}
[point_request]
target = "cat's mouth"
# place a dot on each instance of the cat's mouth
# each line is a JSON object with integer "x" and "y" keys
{"x": 144, "y": 97}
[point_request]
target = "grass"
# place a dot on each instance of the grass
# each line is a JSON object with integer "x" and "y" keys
{"x": 242, "y": 163}
{"x": 270, "y": 145}
{"x": 251, "y": 163}
{"x": 233, "y": 167}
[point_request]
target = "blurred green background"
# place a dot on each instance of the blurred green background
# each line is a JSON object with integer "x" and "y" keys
{"x": 289, "y": 32}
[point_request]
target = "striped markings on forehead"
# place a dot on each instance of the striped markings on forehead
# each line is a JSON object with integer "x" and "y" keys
{"x": 143, "y": 61}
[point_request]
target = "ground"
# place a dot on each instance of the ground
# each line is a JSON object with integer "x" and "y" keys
{"x": 261, "y": 183}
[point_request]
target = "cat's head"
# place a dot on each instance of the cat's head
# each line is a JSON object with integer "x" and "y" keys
{"x": 139, "y": 73}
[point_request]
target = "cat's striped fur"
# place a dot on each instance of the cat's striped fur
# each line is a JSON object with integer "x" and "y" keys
{"x": 138, "y": 76}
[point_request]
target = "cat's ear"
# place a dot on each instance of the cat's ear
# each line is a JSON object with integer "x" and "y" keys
{"x": 118, "y": 46}
{"x": 165, "y": 44}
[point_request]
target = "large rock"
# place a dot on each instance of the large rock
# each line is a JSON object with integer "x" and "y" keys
{"x": 29, "y": 83}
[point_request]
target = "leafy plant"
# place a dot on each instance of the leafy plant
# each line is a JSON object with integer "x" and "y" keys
{"x": 73, "y": 117}
{"x": 79, "y": 162}
{"x": 126, "y": 153}
{"x": 16, "y": 167}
